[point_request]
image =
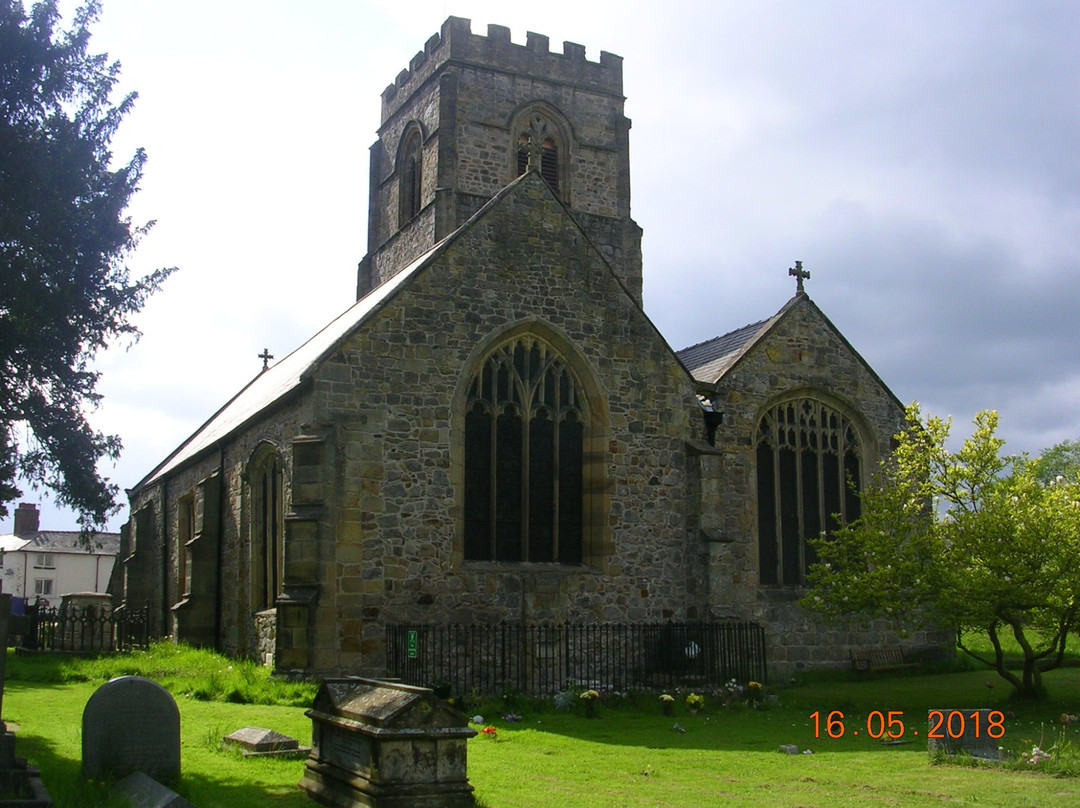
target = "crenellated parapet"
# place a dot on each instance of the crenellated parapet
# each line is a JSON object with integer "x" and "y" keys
{"x": 456, "y": 42}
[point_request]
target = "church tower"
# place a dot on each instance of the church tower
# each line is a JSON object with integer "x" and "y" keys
{"x": 469, "y": 115}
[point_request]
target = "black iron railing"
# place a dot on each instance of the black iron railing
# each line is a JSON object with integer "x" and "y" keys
{"x": 86, "y": 628}
{"x": 537, "y": 660}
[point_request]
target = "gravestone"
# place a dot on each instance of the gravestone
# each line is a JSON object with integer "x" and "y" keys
{"x": 142, "y": 791}
{"x": 969, "y": 731}
{"x": 131, "y": 724}
{"x": 256, "y": 741}
{"x": 386, "y": 745}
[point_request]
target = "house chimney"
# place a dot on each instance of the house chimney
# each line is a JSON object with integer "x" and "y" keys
{"x": 26, "y": 519}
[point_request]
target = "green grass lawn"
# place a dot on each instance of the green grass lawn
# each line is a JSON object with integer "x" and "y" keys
{"x": 630, "y": 755}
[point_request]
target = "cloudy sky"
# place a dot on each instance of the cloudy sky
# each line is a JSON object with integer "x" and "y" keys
{"x": 920, "y": 158}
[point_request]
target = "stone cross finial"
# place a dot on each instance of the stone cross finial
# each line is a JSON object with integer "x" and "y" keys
{"x": 800, "y": 275}
{"x": 266, "y": 356}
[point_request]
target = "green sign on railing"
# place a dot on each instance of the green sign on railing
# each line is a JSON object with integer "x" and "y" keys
{"x": 414, "y": 642}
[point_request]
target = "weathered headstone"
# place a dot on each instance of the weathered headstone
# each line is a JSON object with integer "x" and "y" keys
{"x": 143, "y": 791}
{"x": 386, "y": 745}
{"x": 974, "y": 732}
{"x": 256, "y": 741}
{"x": 131, "y": 724}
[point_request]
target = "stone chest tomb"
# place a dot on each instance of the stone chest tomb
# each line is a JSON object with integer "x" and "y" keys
{"x": 386, "y": 745}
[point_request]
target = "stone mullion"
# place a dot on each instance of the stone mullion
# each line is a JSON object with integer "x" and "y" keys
{"x": 778, "y": 505}
{"x": 526, "y": 434}
{"x": 800, "y": 509}
{"x": 845, "y": 428}
{"x": 556, "y": 470}
{"x": 821, "y": 428}
{"x": 493, "y": 468}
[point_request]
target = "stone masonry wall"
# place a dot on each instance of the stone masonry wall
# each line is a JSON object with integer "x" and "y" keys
{"x": 394, "y": 532}
{"x": 238, "y": 633}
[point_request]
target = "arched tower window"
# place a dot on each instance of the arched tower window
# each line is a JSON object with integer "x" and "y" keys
{"x": 542, "y": 136}
{"x": 809, "y": 464}
{"x": 524, "y": 437}
{"x": 410, "y": 175}
{"x": 266, "y": 481}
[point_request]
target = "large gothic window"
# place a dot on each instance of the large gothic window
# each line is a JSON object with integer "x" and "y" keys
{"x": 808, "y": 473}
{"x": 266, "y": 481}
{"x": 524, "y": 435}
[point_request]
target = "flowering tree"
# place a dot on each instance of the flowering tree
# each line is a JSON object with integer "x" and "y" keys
{"x": 971, "y": 540}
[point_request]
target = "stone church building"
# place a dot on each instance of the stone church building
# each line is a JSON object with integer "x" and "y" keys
{"x": 495, "y": 430}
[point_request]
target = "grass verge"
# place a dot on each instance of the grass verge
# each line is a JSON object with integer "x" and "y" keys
{"x": 630, "y": 755}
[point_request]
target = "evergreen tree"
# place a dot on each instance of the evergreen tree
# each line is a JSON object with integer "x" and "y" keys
{"x": 65, "y": 292}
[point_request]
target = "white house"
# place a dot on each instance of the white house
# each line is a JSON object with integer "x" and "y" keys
{"x": 46, "y": 564}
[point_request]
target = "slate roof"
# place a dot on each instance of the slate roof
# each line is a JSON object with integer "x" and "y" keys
{"x": 707, "y": 361}
{"x": 282, "y": 378}
{"x": 61, "y": 541}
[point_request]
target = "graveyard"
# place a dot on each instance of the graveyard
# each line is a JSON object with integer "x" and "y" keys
{"x": 548, "y": 752}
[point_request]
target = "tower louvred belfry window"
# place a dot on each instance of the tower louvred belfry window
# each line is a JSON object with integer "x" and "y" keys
{"x": 808, "y": 474}
{"x": 536, "y": 146}
{"x": 524, "y": 437}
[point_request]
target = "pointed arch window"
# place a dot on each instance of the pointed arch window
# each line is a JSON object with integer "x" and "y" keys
{"x": 185, "y": 533}
{"x": 809, "y": 462}
{"x": 410, "y": 176}
{"x": 267, "y": 483}
{"x": 524, "y": 458}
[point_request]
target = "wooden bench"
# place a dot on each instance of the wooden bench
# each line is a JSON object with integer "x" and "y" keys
{"x": 880, "y": 659}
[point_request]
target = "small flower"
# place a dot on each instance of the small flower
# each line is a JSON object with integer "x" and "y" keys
{"x": 666, "y": 697}
{"x": 589, "y": 695}
{"x": 490, "y": 732}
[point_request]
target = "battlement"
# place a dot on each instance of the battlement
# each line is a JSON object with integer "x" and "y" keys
{"x": 456, "y": 42}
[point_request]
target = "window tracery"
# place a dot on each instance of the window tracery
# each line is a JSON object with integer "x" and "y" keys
{"x": 524, "y": 432}
{"x": 809, "y": 461}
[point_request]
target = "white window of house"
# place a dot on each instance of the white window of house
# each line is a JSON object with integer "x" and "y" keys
{"x": 43, "y": 586}
{"x": 44, "y": 561}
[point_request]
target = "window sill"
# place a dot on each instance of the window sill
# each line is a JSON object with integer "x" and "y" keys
{"x": 776, "y": 593}
{"x": 531, "y": 567}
